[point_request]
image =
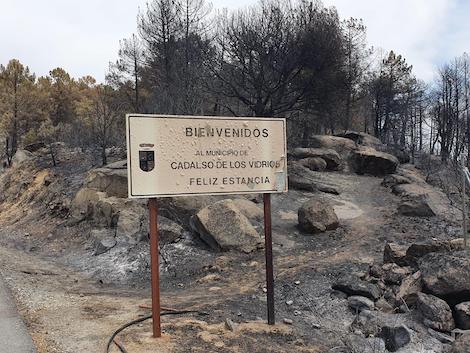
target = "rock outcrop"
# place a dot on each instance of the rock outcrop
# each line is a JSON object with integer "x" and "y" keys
{"x": 373, "y": 162}
{"x": 354, "y": 286}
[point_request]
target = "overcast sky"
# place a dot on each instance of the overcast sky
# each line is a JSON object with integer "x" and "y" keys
{"x": 82, "y": 36}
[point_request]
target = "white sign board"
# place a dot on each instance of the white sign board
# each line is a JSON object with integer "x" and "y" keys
{"x": 190, "y": 155}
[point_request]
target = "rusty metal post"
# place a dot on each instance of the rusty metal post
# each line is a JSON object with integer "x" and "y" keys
{"x": 154, "y": 266}
{"x": 268, "y": 243}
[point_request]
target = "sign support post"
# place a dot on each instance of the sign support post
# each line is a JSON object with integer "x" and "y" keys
{"x": 154, "y": 266}
{"x": 268, "y": 244}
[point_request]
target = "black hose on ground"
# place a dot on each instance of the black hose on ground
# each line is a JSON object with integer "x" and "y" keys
{"x": 142, "y": 319}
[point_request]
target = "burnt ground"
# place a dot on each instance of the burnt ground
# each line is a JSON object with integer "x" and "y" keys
{"x": 72, "y": 301}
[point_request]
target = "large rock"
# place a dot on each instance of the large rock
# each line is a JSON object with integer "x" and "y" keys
{"x": 181, "y": 209}
{"x": 417, "y": 250}
{"x": 370, "y": 161}
{"x": 314, "y": 163}
{"x": 461, "y": 344}
{"x": 111, "y": 181}
{"x": 132, "y": 223}
{"x": 361, "y": 138}
{"x": 352, "y": 285}
{"x": 316, "y": 216}
{"x": 445, "y": 275}
{"x": 421, "y": 197}
{"x": 436, "y": 312}
{"x": 341, "y": 145}
{"x": 331, "y": 157}
{"x": 223, "y": 227}
{"x": 302, "y": 178}
{"x": 462, "y": 315}
{"x": 249, "y": 209}
{"x": 418, "y": 207}
{"x": 82, "y": 204}
{"x": 22, "y": 156}
{"x": 169, "y": 231}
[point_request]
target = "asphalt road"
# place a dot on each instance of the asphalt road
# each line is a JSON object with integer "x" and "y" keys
{"x": 14, "y": 337}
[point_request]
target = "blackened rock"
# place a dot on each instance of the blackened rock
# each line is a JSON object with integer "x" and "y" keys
{"x": 418, "y": 250}
{"x": 358, "y": 303}
{"x": 395, "y": 337}
{"x": 352, "y": 285}
{"x": 418, "y": 207}
{"x": 446, "y": 275}
{"x": 462, "y": 315}
{"x": 436, "y": 313}
{"x": 370, "y": 161}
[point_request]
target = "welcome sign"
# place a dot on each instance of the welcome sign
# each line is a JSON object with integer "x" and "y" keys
{"x": 171, "y": 155}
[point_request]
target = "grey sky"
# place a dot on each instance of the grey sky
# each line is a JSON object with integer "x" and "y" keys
{"x": 82, "y": 36}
